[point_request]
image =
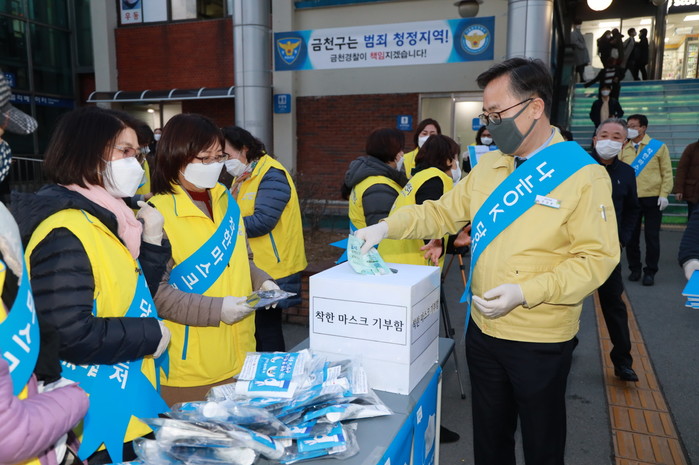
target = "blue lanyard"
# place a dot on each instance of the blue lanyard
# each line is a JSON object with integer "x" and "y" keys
{"x": 517, "y": 194}
{"x": 198, "y": 272}
{"x": 19, "y": 335}
{"x": 642, "y": 159}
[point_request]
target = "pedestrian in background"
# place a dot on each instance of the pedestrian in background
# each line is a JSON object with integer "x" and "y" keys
{"x": 650, "y": 158}
{"x": 687, "y": 178}
{"x": 582, "y": 56}
{"x": 640, "y": 56}
{"x": 424, "y": 129}
{"x": 608, "y": 142}
{"x": 629, "y": 51}
{"x": 605, "y": 106}
{"x": 526, "y": 288}
{"x": 270, "y": 207}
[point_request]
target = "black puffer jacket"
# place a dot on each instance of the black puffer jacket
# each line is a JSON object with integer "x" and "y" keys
{"x": 63, "y": 283}
{"x": 378, "y": 199}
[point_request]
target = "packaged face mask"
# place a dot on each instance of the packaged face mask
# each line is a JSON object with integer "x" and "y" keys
{"x": 370, "y": 263}
{"x": 260, "y": 299}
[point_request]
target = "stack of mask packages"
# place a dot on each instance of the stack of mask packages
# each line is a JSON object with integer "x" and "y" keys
{"x": 285, "y": 406}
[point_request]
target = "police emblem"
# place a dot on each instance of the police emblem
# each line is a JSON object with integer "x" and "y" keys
{"x": 289, "y": 49}
{"x": 475, "y": 39}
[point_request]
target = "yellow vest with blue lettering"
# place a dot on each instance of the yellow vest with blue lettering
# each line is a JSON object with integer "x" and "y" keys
{"x": 281, "y": 252}
{"x": 206, "y": 355}
{"x": 407, "y": 251}
{"x": 115, "y": 273}
{"x": 356, "y": 206}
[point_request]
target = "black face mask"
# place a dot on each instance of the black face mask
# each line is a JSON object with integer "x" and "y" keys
{"x": 507, "y": 135}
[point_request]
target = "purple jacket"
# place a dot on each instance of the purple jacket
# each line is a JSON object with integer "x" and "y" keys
{"x": 29, "y": 427}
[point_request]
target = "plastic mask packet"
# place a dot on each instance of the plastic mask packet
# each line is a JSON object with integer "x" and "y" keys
{"x": 370, "y": 263}
{"x": 259, "y": 299}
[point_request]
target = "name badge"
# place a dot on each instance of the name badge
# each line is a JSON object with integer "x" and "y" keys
{"x": 547, "y": 201}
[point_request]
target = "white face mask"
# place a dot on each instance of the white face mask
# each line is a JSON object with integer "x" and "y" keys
{"x": 455, "y": 175}
{"x": 633, "y": 133}
{"x": 486, "y": 140}
{"x": 203, "y": 176}
{"x": 235, "y": 167}
{"x": 399, "y": 164}
{"x": 156, "y": 137}
{"x": 607, "y": 148}
{"x": 421, "y": 140}
{"x": 605, "y": 93}
{"x": 122, "y": 177}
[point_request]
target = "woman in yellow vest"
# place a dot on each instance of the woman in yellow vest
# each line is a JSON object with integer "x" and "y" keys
{"x": 436, "y": 171}
{"x": 30, "y": 421}
{"x": 270, "y": 207}
{"x": 91, "y": 263}
{"x": 372, "y": 182}
{"x": 424, "y": 129}
{"x": 204, "y": 289}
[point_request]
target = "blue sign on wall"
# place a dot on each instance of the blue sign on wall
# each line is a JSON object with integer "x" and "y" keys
{"x": 476, "y": 123}
{"x": 11, "y": 79}
{"x": 404, "y": 122}
{"x": 282, "y": 103}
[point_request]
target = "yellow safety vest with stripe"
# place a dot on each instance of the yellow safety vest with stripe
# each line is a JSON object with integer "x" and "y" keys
{"x": 206, "y": 355}
{"x": 407, "y": 251}
{"x": 409, "y": 162}
{"x": 3, "y": 315}
{"x": 356, "y": 206}
{"x": 145, "y": 188}
{"x": 115, "y": 273}
{"x": 280, "y": 252}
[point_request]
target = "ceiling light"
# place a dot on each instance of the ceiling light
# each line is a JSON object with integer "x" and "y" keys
{"x": 599, "y": 5}
{"x": 150, "y": 110}
{"x": 691, "y": 18}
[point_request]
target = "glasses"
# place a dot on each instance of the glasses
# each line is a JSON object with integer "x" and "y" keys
{"x": 215, "y": 159}
{"x": 495, "y": 117}
{"x": 129, "y": 152}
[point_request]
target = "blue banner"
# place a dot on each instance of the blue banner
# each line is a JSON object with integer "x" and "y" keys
{"x": 117, "y": 392}
{"x": 642, "y": 159}
{"x": 425, "y": 418}
{"x": 521, "y": 190}
{"x": 423, "y": 42}
{"x": 19, "y": 334}
{"x": 198, "y": 272}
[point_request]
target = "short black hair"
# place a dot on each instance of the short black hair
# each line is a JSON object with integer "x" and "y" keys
{"x": 385, "y": 143}
{"x": 527, "y": 76}
{"x": 630, "y": 31}
{"x": 642, "y": 119}
{"x": 436, "y": 152}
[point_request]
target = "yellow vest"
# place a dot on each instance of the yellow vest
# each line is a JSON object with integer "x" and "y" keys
{"x": 206, "y": 355}
{"x": 115, "y": 273}
{"x": 145, "y": 188}
{"x": 356, "y": 206}
{"x": 280, "y": 252}
{"x": 409, "y": 162}
{"x": 407, "y": 251}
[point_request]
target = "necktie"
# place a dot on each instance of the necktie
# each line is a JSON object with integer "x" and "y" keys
{"x": 519, "y": 161}
{"x": 635, "y": 147}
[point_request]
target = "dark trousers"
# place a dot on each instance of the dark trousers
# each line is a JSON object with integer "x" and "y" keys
{"x": 269, "y": 336}
{"x": 511, "y": 379}
{"x": 691, "y": 206}
{"x": 580, "y": 69}
{"x": 636, "y": 68}
{"x": 651, "y": 217}
{"x": 616, "y": 318}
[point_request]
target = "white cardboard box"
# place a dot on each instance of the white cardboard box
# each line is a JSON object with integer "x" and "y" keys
{"x": 390, "y": 323}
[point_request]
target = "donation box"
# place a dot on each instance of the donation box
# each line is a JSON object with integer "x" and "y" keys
{"x": 390, "y": 323}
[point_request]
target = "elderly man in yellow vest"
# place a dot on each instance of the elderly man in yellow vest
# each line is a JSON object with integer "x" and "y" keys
{"x": 650, "y": 158}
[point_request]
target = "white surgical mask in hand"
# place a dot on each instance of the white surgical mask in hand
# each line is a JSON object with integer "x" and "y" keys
{"x": 122, "y": 177}
{"x": 203, "y": 176}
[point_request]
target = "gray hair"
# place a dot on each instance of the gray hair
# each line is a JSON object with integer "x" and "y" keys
{"x": 620, "y": 121}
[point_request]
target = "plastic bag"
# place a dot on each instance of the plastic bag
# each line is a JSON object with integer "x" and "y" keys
{"x": 273, "y": 374}
{"x": 163, "y": 453}
{"x": 259, "y": 299}
{"x": 369, "y": 263}
{"x": 339, "y": 443}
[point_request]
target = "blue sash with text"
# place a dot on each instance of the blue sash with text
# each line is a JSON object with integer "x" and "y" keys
{"x": 517, "y": 193}
{"x": 198, "y": 272}
{"x": 117, "y": 392}
{"x": 642, "y": 159}
{"x": 19, "y": 335}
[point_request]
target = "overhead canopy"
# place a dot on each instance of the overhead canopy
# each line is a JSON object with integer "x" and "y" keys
{"x": 162, "y": 95}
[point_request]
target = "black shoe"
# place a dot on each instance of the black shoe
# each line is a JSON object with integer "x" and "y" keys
{"x": 447, "y": 435}
{"x": 635, "y": 276}
{"x": 625, "y": 373}
{"x": 648, "y": 280}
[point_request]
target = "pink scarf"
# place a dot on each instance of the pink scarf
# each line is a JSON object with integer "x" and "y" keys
{"x": 129, "y": 228}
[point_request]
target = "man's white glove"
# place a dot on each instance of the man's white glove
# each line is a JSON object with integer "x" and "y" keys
{"x": 500, "y": 300}
{"x": 269, "y": 285}
{"x": 164, "y": 340}
{"x": 152, "y": 223}
{"x": 690, "y": 266}
{"x": 234, "y": 309}
{"x": 663, "y": 203}
{"x": 372, "y": 235}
